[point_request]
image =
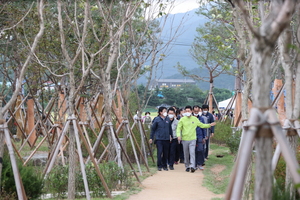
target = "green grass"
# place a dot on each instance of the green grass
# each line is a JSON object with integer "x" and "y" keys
{"x": 217, "y": 183}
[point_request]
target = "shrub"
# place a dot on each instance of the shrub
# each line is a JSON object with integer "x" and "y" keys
{"x": 32, "y": 180}
{"x": 233, "y": 142}
{"x": 115, "y": 177}
{"x": 222, "y": 132}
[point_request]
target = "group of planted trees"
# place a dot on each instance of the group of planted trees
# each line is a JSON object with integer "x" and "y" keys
{"x": 76, "y": 49}
{"x": 258, "y": 41}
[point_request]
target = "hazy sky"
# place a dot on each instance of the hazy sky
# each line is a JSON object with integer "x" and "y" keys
{"x": 182, "y": 6}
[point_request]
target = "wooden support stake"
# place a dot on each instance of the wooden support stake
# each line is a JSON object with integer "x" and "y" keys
{"x": 20, "y": 189}
{"x": 91, "y": 155}
{"x": 82, "y": 166}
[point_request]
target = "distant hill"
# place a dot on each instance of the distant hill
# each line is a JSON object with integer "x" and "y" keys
{"x": 179, "y": 51}
{"x": 224, "y": 81}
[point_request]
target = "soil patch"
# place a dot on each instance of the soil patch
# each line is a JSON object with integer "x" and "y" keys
{"x": 218, "y": 168}
{"x": 175, "y": 185}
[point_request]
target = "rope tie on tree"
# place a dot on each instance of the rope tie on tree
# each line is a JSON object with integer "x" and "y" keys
{"x": 263, "y": 121}
{"x": 290, "y": 126}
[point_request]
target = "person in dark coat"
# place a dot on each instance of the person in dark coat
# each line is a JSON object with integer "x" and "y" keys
{"x": 208, "y": 118}
{"x": 161, "y": 130}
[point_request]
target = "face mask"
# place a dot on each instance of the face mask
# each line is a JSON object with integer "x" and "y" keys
{"x": 188, "y": 114}
{"x": 204, "y": 112}
{"x": 147, "y": 115}
{"x": 195, "y": 114}
{"x": 171, "y": 116}
{"x": 184, "y": 114}
{"x": 200, "y": 113}
{"x": 165, "y": 114}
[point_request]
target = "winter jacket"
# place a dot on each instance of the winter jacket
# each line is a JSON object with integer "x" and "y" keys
{"x": 161, "y": 128}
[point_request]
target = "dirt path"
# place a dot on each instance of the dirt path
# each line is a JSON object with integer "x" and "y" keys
{"x": 175, "y": 185}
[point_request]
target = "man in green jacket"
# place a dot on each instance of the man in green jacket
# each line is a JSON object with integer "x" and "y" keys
{"x": 186, "y": 133}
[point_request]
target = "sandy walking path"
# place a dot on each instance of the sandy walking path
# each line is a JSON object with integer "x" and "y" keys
{"x": 175, "y": 185}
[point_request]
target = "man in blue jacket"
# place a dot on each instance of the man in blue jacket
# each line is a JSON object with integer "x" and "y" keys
{"x": 201, "y": 135}
{"x": 208, "y": 118}
{"x": 161, "y": 129}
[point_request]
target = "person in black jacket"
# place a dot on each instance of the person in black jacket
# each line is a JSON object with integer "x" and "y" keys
{"x": 208, "y": 118}
{"x": 161, "y": 129}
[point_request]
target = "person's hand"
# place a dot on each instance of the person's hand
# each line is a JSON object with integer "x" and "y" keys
{"x": 212, "y": 124}
{"x": 150, "y": 141}
{"x": 179, "y": 139}
{"x": 212, "y": 135}
{"x": 203, "y": 141}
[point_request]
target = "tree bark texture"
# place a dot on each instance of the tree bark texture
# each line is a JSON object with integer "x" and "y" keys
{"x": 262, "y": 49}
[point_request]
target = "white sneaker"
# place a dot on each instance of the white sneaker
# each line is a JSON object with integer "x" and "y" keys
{"x": 201, "y": 168}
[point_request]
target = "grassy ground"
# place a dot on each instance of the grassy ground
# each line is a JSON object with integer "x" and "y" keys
{"x": 218, "y": 182}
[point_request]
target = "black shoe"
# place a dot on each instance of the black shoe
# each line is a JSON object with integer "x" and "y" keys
{"x": 203, "y": 164}
{"x": 181, "y": 161}
{"x": 159, "y": 169}
{"x": 171, "y": 167}
{"x": 165, "y": 168}
{"x": 192, "y": 170}
{"x": 187, "y": 169}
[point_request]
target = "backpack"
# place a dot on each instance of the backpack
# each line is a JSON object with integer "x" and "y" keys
{"x": 148, "y": 120}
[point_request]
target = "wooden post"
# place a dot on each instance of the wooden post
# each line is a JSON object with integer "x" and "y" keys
{"x": 52, "y": 158}
{"x": 20, "y": 189}
{"x": 237, "y": 108}
{"x": 280, "y": 103}
{"x": 99, "y": 111}
{"x": 30, "y": 121}
{"x": 19, "y": 116}
{"x": 91, "y": 155}
{"x": 61, "y": 106}
{"x": 81, "y": 161}
{"x": 82, "y": 111}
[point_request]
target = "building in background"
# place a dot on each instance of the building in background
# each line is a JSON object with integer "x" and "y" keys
{"x": 171, "y": 83}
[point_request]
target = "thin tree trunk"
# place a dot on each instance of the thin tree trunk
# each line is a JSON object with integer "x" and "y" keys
{"x": 262, "y": 48}
{"x": 287, "y": 64}
{"x": 210, "y": 97}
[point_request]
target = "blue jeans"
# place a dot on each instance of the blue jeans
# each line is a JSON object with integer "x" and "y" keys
{"x": 162, "y": 153}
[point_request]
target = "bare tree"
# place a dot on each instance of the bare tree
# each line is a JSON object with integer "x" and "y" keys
{"x": 31, "y": 49}
{"x": 265, "y": 38}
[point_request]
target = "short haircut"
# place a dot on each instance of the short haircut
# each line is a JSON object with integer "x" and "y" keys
{"x": 204, "y": 106}
{"x": 160, "y": 109}
{"x": 196, "y": 106}
{"x": 188, "y": 107}
{"x": 171, "y": 109}
{"x": 147, "y": 113}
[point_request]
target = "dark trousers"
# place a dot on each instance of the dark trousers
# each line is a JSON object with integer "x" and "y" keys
{"x": 173, "y": 151}
{"x": 206, "y": 149}
{"x": 181, "y": 154}
{"x": 162, "y": 152}
{"x": 199, "y": 154}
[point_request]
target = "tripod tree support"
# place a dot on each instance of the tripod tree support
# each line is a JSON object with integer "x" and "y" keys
{"x": 19, "y": 186}
{"x": 260, "y": 125}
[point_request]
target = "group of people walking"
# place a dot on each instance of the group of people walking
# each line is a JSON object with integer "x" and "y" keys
{"x": 189, "y": 128}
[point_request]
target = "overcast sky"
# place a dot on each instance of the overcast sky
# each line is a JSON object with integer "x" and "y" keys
{"x": 182, "y": 6}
